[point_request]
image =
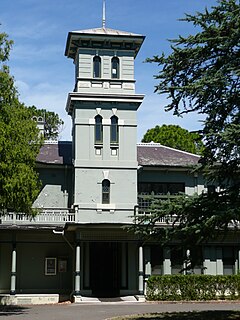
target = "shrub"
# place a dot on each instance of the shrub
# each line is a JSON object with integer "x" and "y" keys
{"x": 193, "y": 287}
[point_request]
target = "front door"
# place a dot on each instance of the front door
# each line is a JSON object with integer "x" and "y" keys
{"x": 104, "y": 269}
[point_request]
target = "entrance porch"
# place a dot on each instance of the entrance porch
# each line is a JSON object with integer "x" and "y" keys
{"x": 108, "y": 264}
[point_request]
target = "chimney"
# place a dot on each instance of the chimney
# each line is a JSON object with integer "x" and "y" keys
{"x": 40, "y": 124}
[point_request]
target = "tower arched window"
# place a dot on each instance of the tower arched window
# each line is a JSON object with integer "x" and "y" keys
{"x": 114, "y": 132}
{"x": 115, "y": 68}
{"x": 96, "y": 67}
{"x": 105, "y": 191}
{"x": 98, "y": 130}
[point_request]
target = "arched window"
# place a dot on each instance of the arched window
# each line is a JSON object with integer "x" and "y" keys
{"x": 115, "y": 68}
{"x": 105, "y": 191}
{"x": 114, "y": 130}
{"x": 98, "y": 130}
{"x": 96, "y": 67}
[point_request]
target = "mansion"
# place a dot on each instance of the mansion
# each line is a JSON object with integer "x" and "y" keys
{"x": 93, "y": 186}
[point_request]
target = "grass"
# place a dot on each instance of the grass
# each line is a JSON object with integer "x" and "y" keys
{"x": 201, "y": 315}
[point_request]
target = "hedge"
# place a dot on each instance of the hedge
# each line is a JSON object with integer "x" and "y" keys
{"x": 193, "y": 287}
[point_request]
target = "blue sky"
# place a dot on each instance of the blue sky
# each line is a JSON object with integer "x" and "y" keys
{"x": 44, "y": 76}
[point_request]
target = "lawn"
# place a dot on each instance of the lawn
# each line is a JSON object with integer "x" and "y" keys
{"x": 201, "y": 315}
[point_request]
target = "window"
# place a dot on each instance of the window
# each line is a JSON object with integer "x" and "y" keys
{"x": 157, "y": 259}
{"x": 98, "y": 130}
{"x": 96, "y": 67}
{"x": 211, "y": 189}
{"x": 105, "y": 191}
{"x": 176, "y": 259}
{"x": 115, "y": 68}
{"x": 228, "y": 258}
{"x": 159, "y": 188}
{"x": 114, "y": 130}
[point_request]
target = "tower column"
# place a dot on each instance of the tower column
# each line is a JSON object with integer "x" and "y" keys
{"x": 13, "y": 270}
{"x": 140, "y": 271}
{"x": 238, "y": 262}
{"x": 166, "y": 261}
{"x": 77, "y": 288}
{"x": 147, "y": 262}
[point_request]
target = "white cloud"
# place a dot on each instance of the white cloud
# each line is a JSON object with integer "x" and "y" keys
{"x": 35, "y": 52}
{"x": 53, "y": 98}
{"x": 152, "y": 113}
{"x": 32, "y": 29}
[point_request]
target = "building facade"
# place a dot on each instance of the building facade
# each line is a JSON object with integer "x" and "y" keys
{"x": 78, "y": 245}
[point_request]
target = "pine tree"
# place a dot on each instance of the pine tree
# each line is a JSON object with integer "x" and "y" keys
{"x": 202, "y": 74}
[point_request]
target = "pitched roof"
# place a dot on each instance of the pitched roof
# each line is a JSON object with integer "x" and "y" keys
{"x": 155, "y": 154}
{"x": 56, "y": 152}
{"x": 148, "y": 154}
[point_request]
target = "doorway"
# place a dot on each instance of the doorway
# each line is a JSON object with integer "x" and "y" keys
{"x": 105, "y": 269}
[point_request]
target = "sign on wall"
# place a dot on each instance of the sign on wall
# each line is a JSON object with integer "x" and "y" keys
{"x": 62, "y": 265}
{"x": 50, "y": 266}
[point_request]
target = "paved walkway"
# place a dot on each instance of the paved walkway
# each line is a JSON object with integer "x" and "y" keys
{"x": 102, "y": 311}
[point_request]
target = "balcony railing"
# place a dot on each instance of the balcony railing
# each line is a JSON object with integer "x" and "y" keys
{"x": 46, "y": 216}
{"x": 145, "y": 207}
{"x": 146, "y": 200}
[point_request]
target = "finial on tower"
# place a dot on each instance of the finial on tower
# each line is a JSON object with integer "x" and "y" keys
{"x": 104, "y": 15}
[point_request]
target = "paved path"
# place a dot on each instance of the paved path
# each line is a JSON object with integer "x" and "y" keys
{"x": 102, "y": 311}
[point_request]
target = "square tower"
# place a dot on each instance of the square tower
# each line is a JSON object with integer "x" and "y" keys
{"x": 103, "y": 108}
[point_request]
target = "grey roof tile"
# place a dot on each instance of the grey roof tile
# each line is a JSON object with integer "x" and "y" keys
{"x": 59, "y": 152}
{"x": 148, "y": 154}
{"x": 154, "y": 154}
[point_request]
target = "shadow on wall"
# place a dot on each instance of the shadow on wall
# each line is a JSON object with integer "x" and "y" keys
{"x": 65, "y": 151}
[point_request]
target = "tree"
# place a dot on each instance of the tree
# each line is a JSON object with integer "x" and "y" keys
{"x": 175, "y": 137}
{"x": 202, "y": 74}
{"x": 52, "y": 122}
{"x": 19, "y": 144}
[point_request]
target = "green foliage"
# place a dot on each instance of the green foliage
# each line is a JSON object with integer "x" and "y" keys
{"x": 191, "y": 220}
{"x": 19, "y": 144}
{"x": 5, "y": 47}
{"x": 52, "y": 123}
{"x": 175, "y": 137}
{"x": 202, "y": 74}
{"x": 193, "y": 287}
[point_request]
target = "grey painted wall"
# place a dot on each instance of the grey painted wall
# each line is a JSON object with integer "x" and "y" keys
{"x": 56, "y": 190}
{"x": 192, "y": 184}
{"x": 32, "y": 248}
{"x": 84, "y": 71}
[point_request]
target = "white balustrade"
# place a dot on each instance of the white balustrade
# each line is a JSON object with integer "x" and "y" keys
{"x": 45, "y": 216}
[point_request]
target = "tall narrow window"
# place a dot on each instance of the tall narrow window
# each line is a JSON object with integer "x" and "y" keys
{"x": 114, "y": 130}
{"x": 105, "y": 191}
{"x": 96, "y": 67}
{"x": 98, "y": 130}
{"x": 115, "y": 68}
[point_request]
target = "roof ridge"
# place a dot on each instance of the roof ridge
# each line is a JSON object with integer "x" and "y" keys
{"x": 56, "y": 142}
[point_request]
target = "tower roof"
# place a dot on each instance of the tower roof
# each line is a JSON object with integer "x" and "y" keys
{"x": 107, "y": 31}
{"x": 102, "y": 38}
